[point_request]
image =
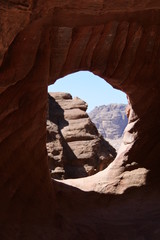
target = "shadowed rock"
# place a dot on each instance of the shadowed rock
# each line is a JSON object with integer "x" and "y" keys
{"x": 75, "y": 148}
{"x": 41, "y": 41}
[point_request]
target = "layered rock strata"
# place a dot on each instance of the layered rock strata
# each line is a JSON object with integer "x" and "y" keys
{"x": 41, "y": 41}
{"x": 75, "y": 148}
{"x": 110, "y": 121}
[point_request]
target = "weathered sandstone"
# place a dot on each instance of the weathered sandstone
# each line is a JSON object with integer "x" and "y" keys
{"x": 41, "y": 41}
{"x": 75, "y": 148}
{"x": 110, "y": 121}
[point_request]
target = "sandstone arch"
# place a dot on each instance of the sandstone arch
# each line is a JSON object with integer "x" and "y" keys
{"x": 43, "y": 41}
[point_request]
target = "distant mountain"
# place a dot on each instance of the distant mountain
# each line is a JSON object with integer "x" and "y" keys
{"x": 110, "y": 121}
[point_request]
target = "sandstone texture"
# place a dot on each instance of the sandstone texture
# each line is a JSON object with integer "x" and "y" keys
{"x": 110, "y": 121}
{"x": 75, "y": 148}
{"x": 41, "y": 41}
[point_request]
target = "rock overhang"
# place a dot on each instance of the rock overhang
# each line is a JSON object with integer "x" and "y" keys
{"x": 121, "y": 43}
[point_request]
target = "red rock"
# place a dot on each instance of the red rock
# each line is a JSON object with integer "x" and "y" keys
{"x": 41, "y": 41}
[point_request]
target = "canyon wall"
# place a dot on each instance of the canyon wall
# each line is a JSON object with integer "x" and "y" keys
{"x": 110, "y": 120}
{"x": 41, "y": 41}
{"x": 75, "y": 148}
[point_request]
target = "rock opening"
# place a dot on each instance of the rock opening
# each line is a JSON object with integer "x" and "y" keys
{"x": 41, "y": 41}
{"x": 75, "y": 147}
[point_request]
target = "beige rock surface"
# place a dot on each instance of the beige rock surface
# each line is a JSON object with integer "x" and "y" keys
{"x": 110, "y": 121}
{"x": 75, "y": 148}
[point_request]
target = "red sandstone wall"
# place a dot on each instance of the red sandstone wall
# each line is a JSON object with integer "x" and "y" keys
{"x": 43, "y": 41}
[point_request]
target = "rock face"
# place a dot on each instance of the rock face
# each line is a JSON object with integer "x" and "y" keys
{"x": 75, "y": 148}
{"x": 41, "y": 41}
{"x": 110, "y": 121}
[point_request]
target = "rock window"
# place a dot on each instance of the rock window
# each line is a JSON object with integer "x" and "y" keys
{"x": 83, "y": 134}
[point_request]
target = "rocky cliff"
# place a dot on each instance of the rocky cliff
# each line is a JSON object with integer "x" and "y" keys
{"x": 75, "y": 148}
{"x": 110, "y": 121}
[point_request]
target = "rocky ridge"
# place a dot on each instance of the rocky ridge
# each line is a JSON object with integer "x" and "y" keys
{"x": 110, "y": 121}
{"x": 75, "y": 148}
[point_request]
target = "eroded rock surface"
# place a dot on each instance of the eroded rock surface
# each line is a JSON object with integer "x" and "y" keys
{"x": 75, "y": 148}
{"x": 110, "y": 121}
{"x": 40, "y": 42}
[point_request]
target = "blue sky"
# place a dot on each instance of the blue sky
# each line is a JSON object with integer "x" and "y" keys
{"x": 90, "y": 88}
